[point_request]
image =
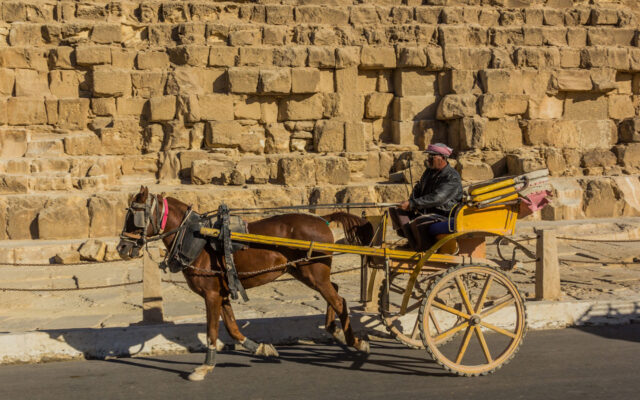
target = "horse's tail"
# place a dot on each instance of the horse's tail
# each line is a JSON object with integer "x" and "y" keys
{"x": 357, "y": 231}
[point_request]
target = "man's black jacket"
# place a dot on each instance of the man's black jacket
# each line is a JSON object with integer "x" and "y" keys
{"x": 437, "y": 191}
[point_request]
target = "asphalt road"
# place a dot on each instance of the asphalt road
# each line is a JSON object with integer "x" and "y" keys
{"x": 588, "y": 363}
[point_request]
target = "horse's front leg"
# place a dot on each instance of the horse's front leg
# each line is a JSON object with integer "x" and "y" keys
{"x": 230, "y": 323}
{"x": 213, "y": 303}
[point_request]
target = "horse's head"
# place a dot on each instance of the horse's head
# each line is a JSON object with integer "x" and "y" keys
{"x": 141, "y": 222}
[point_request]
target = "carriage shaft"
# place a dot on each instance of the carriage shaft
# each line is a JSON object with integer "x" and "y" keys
{"x": 330, "y": 247}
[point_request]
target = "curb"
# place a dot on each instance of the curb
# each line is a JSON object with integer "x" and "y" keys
{"x": 145, "y": 340}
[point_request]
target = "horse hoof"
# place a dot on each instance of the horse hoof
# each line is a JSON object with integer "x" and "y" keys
{"x": 219, "y": 345}
{"x": 267, "y": 350}
{"x": 200, "y": 372}
{"x": 339, "y": 337}
{"x": 363, "y": 347}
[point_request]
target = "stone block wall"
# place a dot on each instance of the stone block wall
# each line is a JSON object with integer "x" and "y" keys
{"x": 272, "y": 102}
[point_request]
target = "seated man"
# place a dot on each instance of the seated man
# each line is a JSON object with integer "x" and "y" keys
{"x": 429, "y": 210}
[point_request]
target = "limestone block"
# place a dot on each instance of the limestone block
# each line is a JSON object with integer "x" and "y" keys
{"x": 162, "y": 108}
{"x": 268, "y": 111}
{"x": 275, "y": 81}
{"x": 247, "y": 108}
{"x": 243, "y": 80}
{"x": 473, "y": 169}
{"x": 255, "y": 56}
{"x": 3, "y": 111}
{"x": 585, "y": 106}
{"x": 499, "y": 105}
{"x": 25, "y": 34}
{"x": 152, "y": 60}
{"x": 13, "y": 143}
{"x": 354, "y": 138}
{"x": 67, "y": 257}
{"x": 7, "y": 80}
{"x": 456, "y": 106}
{"x": 404, "y": 133}
{"x": 598, "y": 158}
{"x": 222, "y": 56}
{"x": 377, "y": 57}
{"x": 231, "y": 134}
{"x": 346, "y": 80}
{"x": 555, "y": 162}
{"x": 106, "y": 33}
{"x": 26, "y": 111}
{"x": 413, "y": 108}
{"x": 301, "y": 108}
{"x": 604, "y": 16}
{"x": 535, "y": 57}
{"x": 64, "y": 83}
{"x": 92, "y": 250}
{"x": 321, "y": 57}
{"x": 82, "y": 145}
{"x": 93, "y": 55}
{"x": 30, "y": 83}
{"x": 502, "y": 134}
{"x": 522, "y": 161}
{"x": 569, "y": 58}
{"x": 153, "y": 138}
{"x": 462, "y": 35}
{"x": 347, "y": 57}
{"x": 601, "y": 200}
{"x": 305, "y": 80}
{"x": 277, "y": 139}
{"x": 21, "y": 217}
{"x": 629, "y": 155}
{"x": 367, "y": 81}
{"x": 329, "y": 136}
{"x": 120, "y": 141}
{"x": 279, "y": 15}
{"x": 297, "y": 171}
{"x": 109, "y": 82}
{"x": 630, "y": 130}
{"x": 64, "y": 218}
{"x": 149, "y": 83}
{"x": 547, "y": 107}
{"x": 580, "y": 134}
{"x": 411, "y": 57}
{"x": 414, "y": 83}
{"x": 216, "y": 107}
{"x": 377, "y": 105}
{"x": 290, "y": 56}
{"x": 500, "y": 81}
{"x": 574, "y": 80}
{"x": 621, "y": 107}
{"x": 192, "y": 55}
{"x": 457, "y": 82}
{"x": 322, "y": 15}
{"x": 603, "y": 79}
{"x": 134, "y": 106}
{"x": 593, "y": 57}
{"x": 204, "y": 172}
{"x": 511, "y": 36}
{"x": 14, "y": 184}
{"x": 332, "y": 170}
{"x": 72, "y": 113}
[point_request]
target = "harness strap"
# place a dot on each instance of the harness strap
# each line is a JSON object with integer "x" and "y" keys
{"x": 165, "y": 215}
{"x": 235, "y": 285}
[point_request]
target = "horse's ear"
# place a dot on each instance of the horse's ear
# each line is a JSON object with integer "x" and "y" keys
{"x": 144, "y": 191}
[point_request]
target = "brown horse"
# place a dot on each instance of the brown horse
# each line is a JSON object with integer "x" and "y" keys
{"x": 153, "y": 217}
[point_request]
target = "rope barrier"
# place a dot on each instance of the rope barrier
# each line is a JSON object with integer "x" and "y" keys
{"x": 599, "y": 240}
{"x": 64, "y": 265}
{"x": 70, "y": 289}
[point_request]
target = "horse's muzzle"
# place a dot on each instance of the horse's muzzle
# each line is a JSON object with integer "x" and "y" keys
{"x": 128, "y": 249}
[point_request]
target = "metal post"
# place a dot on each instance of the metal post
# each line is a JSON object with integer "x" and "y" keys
{"x": 152, "y": 312}
{"x": 547, "y": 268}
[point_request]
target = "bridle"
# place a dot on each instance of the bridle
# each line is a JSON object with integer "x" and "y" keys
{"x": 142, "y": 218}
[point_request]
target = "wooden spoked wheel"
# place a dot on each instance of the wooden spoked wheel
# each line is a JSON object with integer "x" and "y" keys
{"x": 403, "y": 327}
{"x": 483, "y": 303}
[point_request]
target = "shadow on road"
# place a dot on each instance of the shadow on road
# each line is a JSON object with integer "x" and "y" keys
{"x": 601, "y": 314}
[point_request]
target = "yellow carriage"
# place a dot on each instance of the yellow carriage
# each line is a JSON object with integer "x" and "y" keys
{"x": 452, "y": 301}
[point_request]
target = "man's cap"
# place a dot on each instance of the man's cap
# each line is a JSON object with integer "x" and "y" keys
{"x": 439, "y": 149}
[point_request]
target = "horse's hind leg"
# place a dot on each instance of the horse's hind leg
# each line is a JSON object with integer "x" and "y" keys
{"x": 213, "y": 302}
{"x": 230, "y": 323}
{"x": 330, "y": 323}
{"x": 316, "y": 276}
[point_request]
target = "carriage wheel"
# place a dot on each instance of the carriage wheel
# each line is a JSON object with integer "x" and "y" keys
{"x": 403, "y": 327}
{"x": 483, "y": 303}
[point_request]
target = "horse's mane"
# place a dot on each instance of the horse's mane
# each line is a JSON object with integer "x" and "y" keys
{"x": 357, "y": 231}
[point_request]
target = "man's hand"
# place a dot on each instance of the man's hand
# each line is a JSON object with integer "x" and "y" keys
{"x": 405, "y": 205}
